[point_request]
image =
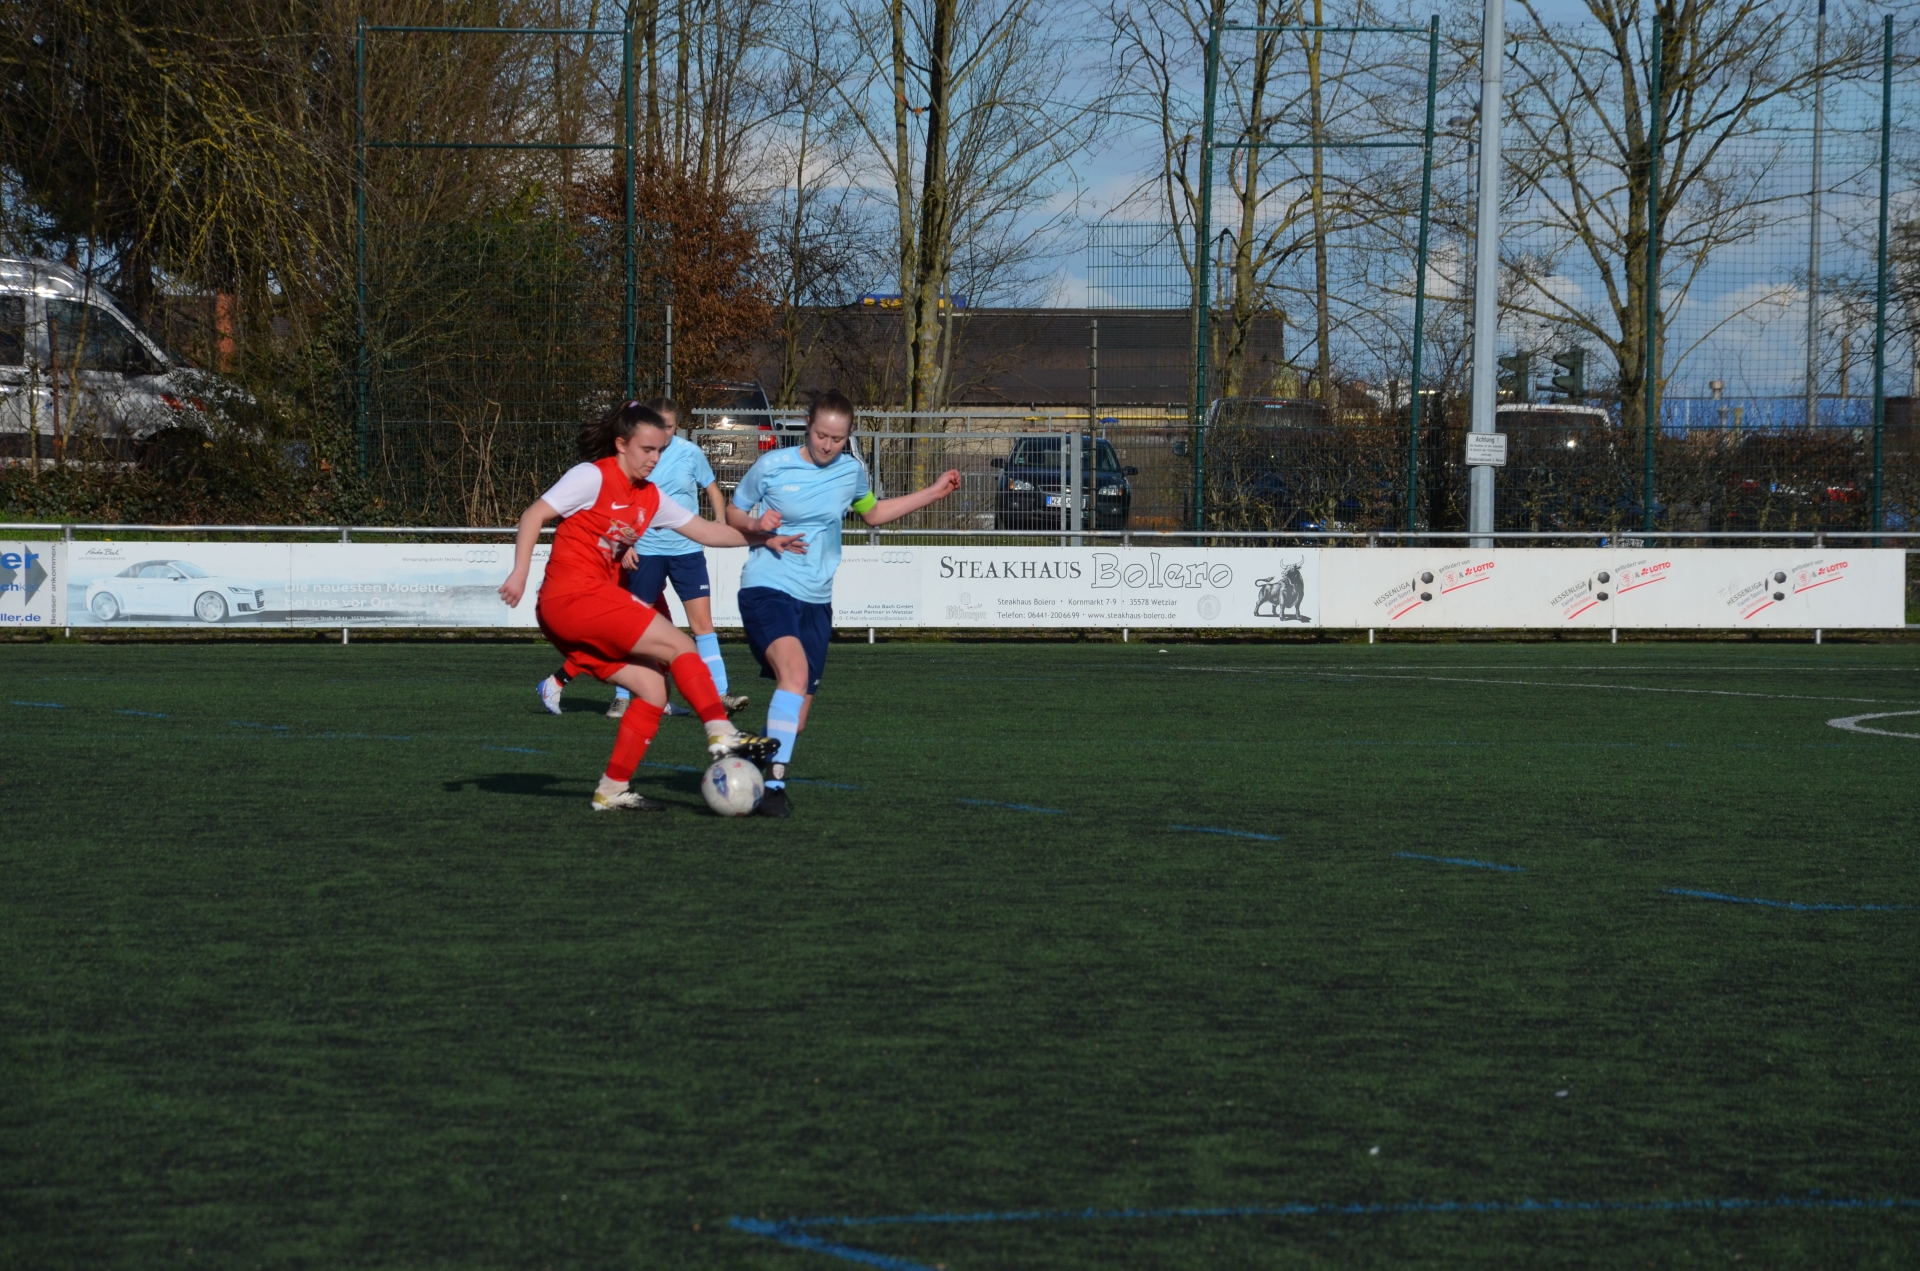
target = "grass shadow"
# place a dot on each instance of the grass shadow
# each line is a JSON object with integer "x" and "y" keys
{"x": 524, "y": 784}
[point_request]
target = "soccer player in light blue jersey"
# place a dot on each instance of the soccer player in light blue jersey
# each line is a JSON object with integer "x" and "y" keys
{"x": 786, "y": 603}
{"x": 683, "y": 475}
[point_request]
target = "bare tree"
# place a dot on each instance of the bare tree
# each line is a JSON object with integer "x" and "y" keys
{"x": 972, "y": 116}
{"x": 1579, "y": 164}
{"x": 1310, "y": 91}
{"x": 822, "y": 246}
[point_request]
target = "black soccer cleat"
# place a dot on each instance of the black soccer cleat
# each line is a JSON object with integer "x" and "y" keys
{"x": 774, "y": 803}
{"x": 749, "y": 746}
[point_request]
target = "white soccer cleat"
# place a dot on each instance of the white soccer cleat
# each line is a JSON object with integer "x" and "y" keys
{"x": 626, "y": 801}
{"x": 549, "y": 690}
{"x": 617, "y": 707}
{"x": 675, "y": 708}
{"x": 734, "y": 702}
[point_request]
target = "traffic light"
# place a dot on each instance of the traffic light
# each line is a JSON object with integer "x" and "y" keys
{"x": 1572, "y": 385}
{"x": 1513, "y": 375}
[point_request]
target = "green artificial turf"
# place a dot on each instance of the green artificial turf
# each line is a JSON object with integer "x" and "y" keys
{"x": 314, "y": 956}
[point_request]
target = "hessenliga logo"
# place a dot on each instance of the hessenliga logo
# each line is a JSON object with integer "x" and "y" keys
{"x": 1430, "y": 586}
{"x": 1781, "y": 585}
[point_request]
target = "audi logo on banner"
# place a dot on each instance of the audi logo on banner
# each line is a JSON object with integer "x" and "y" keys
{"x": 896, "y": 558}
{"x": 483, "y": 556}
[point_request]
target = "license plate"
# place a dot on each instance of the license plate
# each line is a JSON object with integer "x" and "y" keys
{"x": 720, "y": 447}
{"x": 1063, "y": 500}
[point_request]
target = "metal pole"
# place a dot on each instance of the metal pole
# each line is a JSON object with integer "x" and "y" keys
{"x": 1420, "y": 279}
{"x": 1486, "y": 266}
{"x": 1813, "y": 228}
{"x": 1079, "y": 486}
{"x": 1066, "y": 486}
{"x": 1203, "y": 236}
{"x": 669, "y": 388}
{"x": 1091, "y": 480}
{"x": 628, "y": 327}
{"x": 360, "y": 241}
{"x": 1654, "y": 120}
{"x": 1093, "y": 374}
{"x": 1880, "y": 281}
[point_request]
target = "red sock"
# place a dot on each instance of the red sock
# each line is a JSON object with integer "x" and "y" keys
{"x": 637, "y": 728}
{"x": 695, "y": 682}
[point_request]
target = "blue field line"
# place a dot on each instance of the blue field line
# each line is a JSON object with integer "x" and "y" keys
{"x": 515, "y": 750}
{"x": 797, "y": 1232}
{"x": 1014, "y": 807}
{"x": 789, "y": 1235}
{"x": 1467, "y": 861}
{"x": 273, "y": 728}
{"x": 1776, "y": 904}
{"x": 1235, "y": 834}
{"x": 45, "y": 706}
{"x": 146, "y": 714}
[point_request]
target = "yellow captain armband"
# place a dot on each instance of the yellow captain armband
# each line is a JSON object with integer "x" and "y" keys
{"x": 865, "y": 503}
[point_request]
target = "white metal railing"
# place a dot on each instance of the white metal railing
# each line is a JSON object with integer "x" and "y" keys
{"x": 1633, "y": 538}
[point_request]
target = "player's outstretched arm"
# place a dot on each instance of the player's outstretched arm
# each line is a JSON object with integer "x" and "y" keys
{"x": 532, "y": 521}
{"x": 756, "y": 532}
{"x": 893, "y": 509}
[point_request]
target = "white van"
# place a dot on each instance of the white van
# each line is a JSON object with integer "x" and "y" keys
{"x": 74, "y": 365}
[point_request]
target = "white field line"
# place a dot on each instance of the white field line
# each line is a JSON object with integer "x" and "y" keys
{"x": 1624, "y": 688}
{"x": 1857, "y": 724}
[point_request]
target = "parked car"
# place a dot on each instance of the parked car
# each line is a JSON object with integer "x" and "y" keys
{"x": 740, "y": 434}
{"x": 1033, "y": 486}
{"x": 172, "y": 589}
{"x": 74, "y": 363}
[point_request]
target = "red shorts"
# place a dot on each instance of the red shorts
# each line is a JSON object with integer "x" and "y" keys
{"x": 596, "y": 630}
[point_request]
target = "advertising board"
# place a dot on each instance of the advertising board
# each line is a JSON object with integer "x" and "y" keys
{"x": 961, "y": 586}
{"x": 29, "y": 584}
{"x": 153, "y": 584}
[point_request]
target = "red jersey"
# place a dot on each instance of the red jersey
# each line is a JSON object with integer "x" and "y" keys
{"x": 603, "y": 513}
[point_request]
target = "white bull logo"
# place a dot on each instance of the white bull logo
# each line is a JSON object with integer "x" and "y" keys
{"x": 1281, "y": 594}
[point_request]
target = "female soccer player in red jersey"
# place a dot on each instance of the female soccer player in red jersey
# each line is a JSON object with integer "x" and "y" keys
{"x": 604, "y": 506}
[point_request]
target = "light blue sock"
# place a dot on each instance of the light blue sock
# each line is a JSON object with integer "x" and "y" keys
{"x": 620, "y": 694}
{"x": 709, "y": 647}
{"x": 783, "y": 725}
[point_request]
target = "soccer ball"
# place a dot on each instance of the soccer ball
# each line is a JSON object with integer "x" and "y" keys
{"x": 732, "y": 787}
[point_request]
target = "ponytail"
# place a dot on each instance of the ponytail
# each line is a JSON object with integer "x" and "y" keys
{"x": 597, "y": 438}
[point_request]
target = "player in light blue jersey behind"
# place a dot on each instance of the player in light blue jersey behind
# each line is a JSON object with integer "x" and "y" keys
{"x": 786, "y": 603}
{"x": 662, "y": 556}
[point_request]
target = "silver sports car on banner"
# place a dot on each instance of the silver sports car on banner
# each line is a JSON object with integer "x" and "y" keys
{"x": 172, "y": 589}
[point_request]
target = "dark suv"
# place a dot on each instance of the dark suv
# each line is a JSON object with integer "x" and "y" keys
{"x": 1034, "y": 481}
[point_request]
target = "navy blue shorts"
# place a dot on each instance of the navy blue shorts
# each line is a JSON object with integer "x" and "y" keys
{"x": 769, "y": 613}
{"x": 687, "y": 573}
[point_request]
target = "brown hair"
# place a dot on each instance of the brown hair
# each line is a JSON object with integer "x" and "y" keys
{"x": 664, "y": 406}
{"x": 833, "y": 402}
{"x": 597, "y": 438}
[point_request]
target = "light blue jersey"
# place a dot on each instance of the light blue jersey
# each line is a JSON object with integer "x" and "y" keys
{"x": 811, "y": 501}
{"x": 682, "y": 474}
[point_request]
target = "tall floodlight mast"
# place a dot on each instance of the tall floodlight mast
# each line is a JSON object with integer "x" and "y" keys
{"x": 1486, "y": 266}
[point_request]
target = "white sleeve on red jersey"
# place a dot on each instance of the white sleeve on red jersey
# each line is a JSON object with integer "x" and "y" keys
{"x": 671, "y": 515}
{"x": 579, "y": 488}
